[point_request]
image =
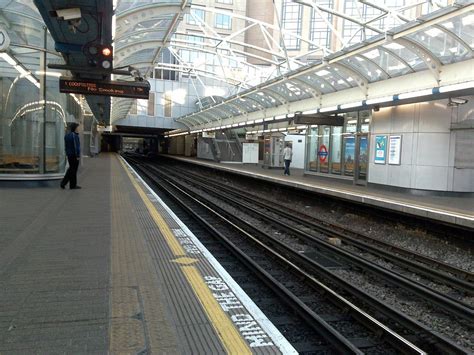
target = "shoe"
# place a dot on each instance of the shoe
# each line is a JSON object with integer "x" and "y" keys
{"x": 76, "y": 187}
{"x": 62, "y": 186}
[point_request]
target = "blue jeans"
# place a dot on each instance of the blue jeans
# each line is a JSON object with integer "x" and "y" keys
{"x": 287, "y": 166}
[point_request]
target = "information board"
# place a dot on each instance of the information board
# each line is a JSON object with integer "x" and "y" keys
{"x": 250, "y": 153}
{"x": 134, "y": 90}
{"x": 380, "y": 149}
{"x": 394, "y": 150}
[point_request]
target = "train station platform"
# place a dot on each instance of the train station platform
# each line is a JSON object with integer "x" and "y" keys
{"x": 110, "y": 269}
{"x": 456, "y": 210}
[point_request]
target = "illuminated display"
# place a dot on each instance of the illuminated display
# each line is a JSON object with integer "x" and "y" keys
{"x": 134, "y": 90}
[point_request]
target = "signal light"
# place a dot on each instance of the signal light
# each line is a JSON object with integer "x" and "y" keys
{"x": 101, "y": 56}
{"x": 106, "y": 51}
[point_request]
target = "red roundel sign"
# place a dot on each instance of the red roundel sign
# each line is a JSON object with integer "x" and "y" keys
{"x": 323, "y": 153}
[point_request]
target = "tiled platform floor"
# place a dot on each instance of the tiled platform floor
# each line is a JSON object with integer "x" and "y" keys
{"x": 99, "y": 270}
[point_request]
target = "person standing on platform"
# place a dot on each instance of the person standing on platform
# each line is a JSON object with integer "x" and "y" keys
{"x": 287, "y": 155}
{"x": 73, "y": 152}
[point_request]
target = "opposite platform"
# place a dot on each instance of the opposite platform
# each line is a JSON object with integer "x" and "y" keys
{"x": 110, "y": 269}
{"x": 453, "y": 210}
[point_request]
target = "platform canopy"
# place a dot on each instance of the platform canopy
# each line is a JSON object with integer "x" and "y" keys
{"x": 423, "y": 57}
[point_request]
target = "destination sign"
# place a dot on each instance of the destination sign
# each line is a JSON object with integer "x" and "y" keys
{"x": 134, "y": 90}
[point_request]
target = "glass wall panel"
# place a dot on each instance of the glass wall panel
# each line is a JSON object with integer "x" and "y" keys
{"x": 33, "y": 114}
{"x": 364, "y": 121}
{"x": 349, "y": 155}
{"x": 20, "y": 123}
{"x": 363, "y": 157}
{"x": 324, "y": 149}
{"x": 336, "y": 150}
{"x": 312, "y": 154}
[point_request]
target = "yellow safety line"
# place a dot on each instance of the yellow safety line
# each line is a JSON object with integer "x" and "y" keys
{"x": 173, "y": 243}
{"x": 225, "y": 329}
{"x": 230, "y": 337}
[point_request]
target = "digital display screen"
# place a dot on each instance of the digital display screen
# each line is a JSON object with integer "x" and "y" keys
{"x": 134, "y": 90}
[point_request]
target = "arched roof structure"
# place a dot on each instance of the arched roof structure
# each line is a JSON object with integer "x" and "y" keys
{"x": 435, "y": 50}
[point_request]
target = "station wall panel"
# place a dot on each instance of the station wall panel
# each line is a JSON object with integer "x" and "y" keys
{"x": 430, "y": 148}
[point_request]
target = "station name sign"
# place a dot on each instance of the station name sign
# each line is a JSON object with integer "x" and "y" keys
{"x": 133, "y": 90}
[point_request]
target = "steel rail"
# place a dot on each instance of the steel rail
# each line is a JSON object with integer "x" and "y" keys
{"x": 448, "y": 303}
{"x": 422, "y": 332}
{"x": 336, "y": 339}
{"x": 392, "y": 337}
{"x": 463, "y": 280}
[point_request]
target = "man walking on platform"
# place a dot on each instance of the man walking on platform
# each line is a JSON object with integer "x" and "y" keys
{"x": 72, "y": 145}
{"x": 287, "y": 155}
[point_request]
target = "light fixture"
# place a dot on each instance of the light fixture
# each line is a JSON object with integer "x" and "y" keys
{"x": 48, "y": 73}
{"x": 351, "y": 105}
{"x": 456, "y": 101}
{"x": 259, "y": 120}
{"x": 329, "y": 108}
{"x": 21, "y": 70}
{"x": 409, "y": 95}
{"x": 394, "y": 46}
{"x": 8, "y": 58}
{"x": 379, "y": 100}
{"x": 322, "y": 72}
{"x": 269, "y": 119}
{"x": 454, "y": 87}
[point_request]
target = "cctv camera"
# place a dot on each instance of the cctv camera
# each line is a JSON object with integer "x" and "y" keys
{"x": 457, "y": 101}
{"x": 69, "y": 14}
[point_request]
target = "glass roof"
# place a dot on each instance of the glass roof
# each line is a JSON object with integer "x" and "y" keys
{"x": 23, "y": 22}
{"x": 409, "y": 48}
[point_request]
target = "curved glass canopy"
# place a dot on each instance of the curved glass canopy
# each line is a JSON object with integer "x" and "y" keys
{"x": 440, "y": 38}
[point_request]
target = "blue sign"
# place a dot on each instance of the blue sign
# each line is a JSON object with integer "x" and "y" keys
{"x": 380, "y": 149}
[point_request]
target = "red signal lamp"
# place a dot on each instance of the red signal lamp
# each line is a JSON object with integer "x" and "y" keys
{"x": 106, "y": 52}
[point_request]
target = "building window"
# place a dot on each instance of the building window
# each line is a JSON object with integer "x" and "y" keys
{"x": 166, "y": 57}
{"x": 353, "y": 33}
{"x": 224, "y": 2}
{"x": 168, "y": 103}
{"x": 134, "y": 108}
{"x": 292, "y": 15}
{"x": 223, "y": 21}
{"x": 142, "y": 107}
{"x": 151, "y": 104}
{"x": 195, "y": 17}
{"x": 195, "y": 38}
{"x": 319, "y": 31}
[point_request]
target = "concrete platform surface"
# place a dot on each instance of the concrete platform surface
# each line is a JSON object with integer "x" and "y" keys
{"x": 110, "y": 269}
{"x": 457, "y": 210}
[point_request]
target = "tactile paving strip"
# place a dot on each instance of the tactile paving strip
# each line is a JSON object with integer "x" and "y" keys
{"x": 182, "y": 261}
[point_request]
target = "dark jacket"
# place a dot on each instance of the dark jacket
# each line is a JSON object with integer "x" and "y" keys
{"x": 72, "y": 144}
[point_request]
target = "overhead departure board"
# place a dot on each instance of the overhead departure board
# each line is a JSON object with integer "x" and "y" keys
{"x": 134, "y": 90}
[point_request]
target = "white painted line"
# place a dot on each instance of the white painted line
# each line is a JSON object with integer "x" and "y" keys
{"x": 278, "y": 339}
{"x": 338, "y": 191}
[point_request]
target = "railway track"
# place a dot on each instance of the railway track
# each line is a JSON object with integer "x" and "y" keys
{"x": 310, "y": 227}
{"x": 266, "y": 251}
{"x": 459, "y": 277}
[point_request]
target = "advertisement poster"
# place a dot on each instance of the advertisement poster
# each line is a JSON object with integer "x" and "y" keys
{"x": 349, "y": 155}
{"x": 380, "y": 149}
{"x": 394, "y": 150}
{"x": 250, "y": 153}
